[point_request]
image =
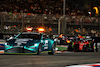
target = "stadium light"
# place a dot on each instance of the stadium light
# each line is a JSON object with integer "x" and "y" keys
{"x": 89, "y": 13}
{"x": 96, "y": 8}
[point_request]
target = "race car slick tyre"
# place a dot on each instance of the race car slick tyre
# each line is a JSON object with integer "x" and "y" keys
{"x": 52, "y": 50}
{"x": 76, "y": 47}
{"x": 70, "y": 47}
{"x": 39, "y": 50}
{"x": 96, "y": 48}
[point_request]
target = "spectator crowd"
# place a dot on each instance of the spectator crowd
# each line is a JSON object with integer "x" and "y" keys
{"x": 48, "y": 11}
{"x": 76, "y": 31}
{"x": 39, "y": 7}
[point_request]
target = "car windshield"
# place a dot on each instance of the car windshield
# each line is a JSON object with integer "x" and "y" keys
{"x": 32, "y": 36}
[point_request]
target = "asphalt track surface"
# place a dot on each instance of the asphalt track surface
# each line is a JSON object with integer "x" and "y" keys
{"x": 45, "y": 60}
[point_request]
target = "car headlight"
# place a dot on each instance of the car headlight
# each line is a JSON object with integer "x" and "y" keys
{"x": 32, "y": 45}
{"x": 6, "y": 43}
{"x": 35, "y": 44}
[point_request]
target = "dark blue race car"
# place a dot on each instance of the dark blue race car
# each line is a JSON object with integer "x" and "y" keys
{"x": 27, "y": 42}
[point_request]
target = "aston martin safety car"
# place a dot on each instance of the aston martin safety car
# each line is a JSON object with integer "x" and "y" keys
{"x": 29, "y": 42}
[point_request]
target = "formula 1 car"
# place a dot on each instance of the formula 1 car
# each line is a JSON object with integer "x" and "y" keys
{"x": 82, "y": 44}
{"x": 29, "y": 42}
{"x": 85, "y": 46}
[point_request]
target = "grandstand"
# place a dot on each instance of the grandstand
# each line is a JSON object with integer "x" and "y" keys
{"x": 36, "y": 13}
